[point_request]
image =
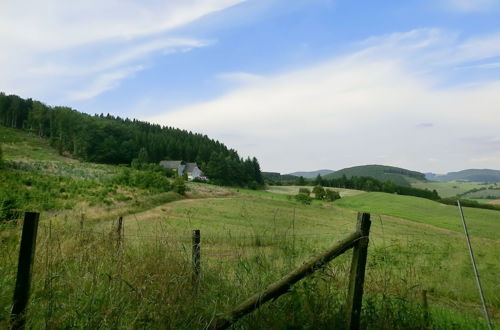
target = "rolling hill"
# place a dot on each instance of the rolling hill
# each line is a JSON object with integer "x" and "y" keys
{"x": 381, "y": 172}
{"x": 471, "y": 175}
{"x": 312, "y": 174}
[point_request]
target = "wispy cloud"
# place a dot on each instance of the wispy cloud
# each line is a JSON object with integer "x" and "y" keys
{"x": 53, "y": 44}
{"x": 471, "y": 5}
{"x": 352, "y": 109}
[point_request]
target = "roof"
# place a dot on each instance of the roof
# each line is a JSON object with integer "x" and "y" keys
{"x": 171, "y": 163}
{"x": 190, "y": 167}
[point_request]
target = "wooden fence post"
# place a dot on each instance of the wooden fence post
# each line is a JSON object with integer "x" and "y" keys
{"x": 196, "y": 254}
{"x": 24, "y": 270}
{"x": 82, "y": 220}
{"x": 425, "y": 307}
{"x": 357, "y": 275}
{"x": 119, "y": 230}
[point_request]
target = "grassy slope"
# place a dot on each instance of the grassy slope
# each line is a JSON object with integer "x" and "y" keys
{"x": 447, "y": 189}
{"x": 482, "y": 223}
{"x": 293, "y": 190}
{"x": 404, "y": 256}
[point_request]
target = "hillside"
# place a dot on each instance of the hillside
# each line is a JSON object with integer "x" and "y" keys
{"x": 250, "y": 239}
{"x": 312, "y": 174}
{"x": 278, "y": 177}
{"x": 397, "y": 175}
{"x": 113, "y": 140}
{"x": 471, "y": 175}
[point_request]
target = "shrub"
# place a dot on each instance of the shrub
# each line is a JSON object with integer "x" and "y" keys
{"x": 303, "y": 198}
{"x": 332, "y": 195}
{"x": 179, "y": 185}
{"x": 305, "y": 191}
{"x": 319, "y": 192}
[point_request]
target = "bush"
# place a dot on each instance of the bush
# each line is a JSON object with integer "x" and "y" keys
{"x": 179, "y": 185}
{"x": 303, "y": 198}
{"x": 319, "y": 192}
{"x": 304, "y": 191}
{"x": 332, "y": 195}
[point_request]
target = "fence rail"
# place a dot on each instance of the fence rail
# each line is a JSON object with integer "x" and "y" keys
{"x": 357, "y": 240}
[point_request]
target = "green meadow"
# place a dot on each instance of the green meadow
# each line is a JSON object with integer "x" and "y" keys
{"x": 86, "y": 276}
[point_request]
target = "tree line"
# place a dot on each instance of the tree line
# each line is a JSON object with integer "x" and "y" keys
{"x": 114, "y": 140}
{"x": 365, "y": 183}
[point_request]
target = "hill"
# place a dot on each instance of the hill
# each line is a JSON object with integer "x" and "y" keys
{"x": 110, "y": 139}
{"x": 397, "y": 175}
{"x": 275, "y": 176}
{"x": 312, "y": 174}
{"x": 471, "y": 175}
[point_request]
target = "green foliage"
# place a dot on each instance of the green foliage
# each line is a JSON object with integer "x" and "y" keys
{"x": 179, "y": 185}
{"x": 301, "y": 181}
{"x": 303, "y": 198}
{"x": 305, "y": 191}
{"x": 331, "y": 195}
{"x": 319, "y": 192}
{"x": 147, "y": 179}
{"x": 370, "y": 184}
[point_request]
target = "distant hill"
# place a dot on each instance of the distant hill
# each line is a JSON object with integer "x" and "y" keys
{"x": 312, "y": 174}
{"x": 472, "y": 175}
{"x": 275, "y": 176}
{"x": 381, "y": 172}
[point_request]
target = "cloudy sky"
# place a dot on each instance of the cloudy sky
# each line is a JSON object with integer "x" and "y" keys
{"x": 300, "y": 84}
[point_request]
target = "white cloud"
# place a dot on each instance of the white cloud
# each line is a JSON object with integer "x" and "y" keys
{"x": 239, "y": 77}
{"x": 471, "y": 5}
{"x": 47, "y": 45}
{"x": 102, "y": 83}
{"x": 355, "y": 109}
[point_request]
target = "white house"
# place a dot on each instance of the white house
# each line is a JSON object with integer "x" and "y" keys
{"x": 180, "y": 168}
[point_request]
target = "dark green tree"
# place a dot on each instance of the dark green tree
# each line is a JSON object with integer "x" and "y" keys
{"x": 331, "y": 195}
{"x": 319, "y": 192}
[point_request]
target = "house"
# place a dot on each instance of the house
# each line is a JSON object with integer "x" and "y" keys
{"x": 177, "y": 166}
{"x": 180, "y": 168}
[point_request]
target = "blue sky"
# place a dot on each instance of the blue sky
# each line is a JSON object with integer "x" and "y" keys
{"x": 300, "y": 84}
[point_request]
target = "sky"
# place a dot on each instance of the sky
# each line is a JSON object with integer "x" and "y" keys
{"x": 299, "y": 84}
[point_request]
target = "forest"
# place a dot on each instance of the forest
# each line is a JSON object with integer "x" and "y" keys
{"x": 110, "y": 139}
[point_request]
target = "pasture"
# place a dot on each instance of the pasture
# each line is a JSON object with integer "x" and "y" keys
{"x": 84, "y": 278}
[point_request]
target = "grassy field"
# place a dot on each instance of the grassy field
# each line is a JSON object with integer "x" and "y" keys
{"x": 86, "y": 278}
{"x": 293, "y": 190}
{"x": 248, "y": 242}
{"x": 447, "y": 189}
{"x": 482, "y": 223}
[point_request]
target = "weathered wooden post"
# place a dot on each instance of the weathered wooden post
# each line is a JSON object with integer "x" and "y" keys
{"x": 357, "y": 275}
{"x": 196, "y": 255}
{"x": 119, "y": 230}
{"x": 425, "y": 307}
{"x": 82, "y": 220}
{"x": 24, "y": 270}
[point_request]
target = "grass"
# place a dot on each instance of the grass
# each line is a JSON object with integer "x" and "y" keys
{"x": 481, "y": 223}
{"x": 293, "y": 190}
{"x": 247, "y": 243}
{"x": 85, "y": 278}
{"x": 447, "y": 189}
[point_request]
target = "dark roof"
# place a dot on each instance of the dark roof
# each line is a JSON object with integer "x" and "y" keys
{"x": 171, "y": 163}
{"x": 190, "y": 167}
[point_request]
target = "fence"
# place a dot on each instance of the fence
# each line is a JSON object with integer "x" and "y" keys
{"x": 358, "y": 240}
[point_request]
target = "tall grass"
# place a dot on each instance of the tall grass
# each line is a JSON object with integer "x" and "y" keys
{"x": 85, "y": 279}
